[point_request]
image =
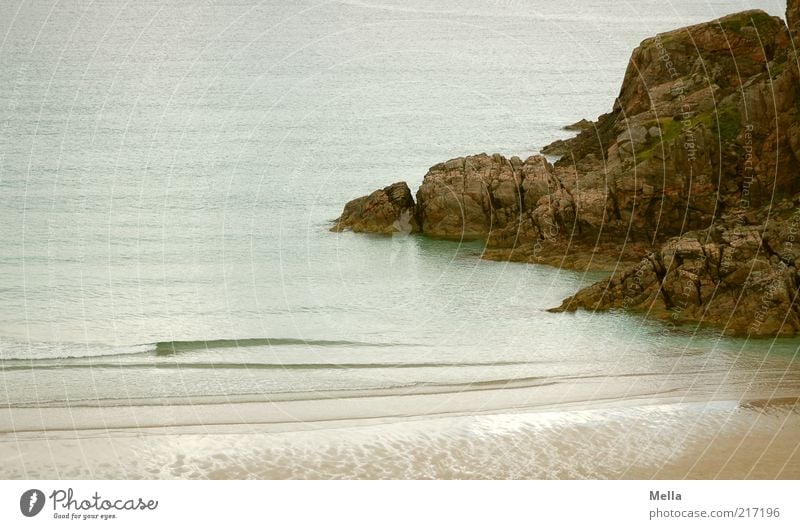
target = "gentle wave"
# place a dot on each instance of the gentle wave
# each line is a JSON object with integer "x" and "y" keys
{"x": 114, "y": 352}
{"x": 414, "y": 389}
{"x": 169, "y": 348}
{"x": 255, "y": 365}
{"x": 390, "y": 390}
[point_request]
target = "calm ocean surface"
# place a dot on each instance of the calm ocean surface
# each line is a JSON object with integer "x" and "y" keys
{"x": 168, "y": 172}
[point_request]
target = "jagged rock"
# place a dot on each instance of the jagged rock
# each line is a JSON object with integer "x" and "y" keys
{"x": 704, "y": 117}
{"x": 465, "y": 198}
{"x": 733, "y": 278}
{"x": 388, "y": 210}
{"x": 793, "y": 17}
{"x": 504, "y": 201}
{"x": 583, "y": 124}
{"x": 723, "y": 52}
{"x": 676, "y": 183}
{"x": 557, "y": 148}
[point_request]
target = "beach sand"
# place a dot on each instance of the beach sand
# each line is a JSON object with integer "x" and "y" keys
{"x": 383, "y": 438}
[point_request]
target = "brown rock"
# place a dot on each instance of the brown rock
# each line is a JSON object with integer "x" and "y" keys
{"x": 691, "y": 180}
{"x": 793, "y": 17}
{"x": 583, "y": 124}
{"x": 388, "y": 210}
{"x": 468, "y": 198}
{"x": 737, "y": 283}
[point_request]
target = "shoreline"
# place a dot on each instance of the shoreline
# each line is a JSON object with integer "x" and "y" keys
{"x": 540, "y": 394}
{"x": 665, "y": 440}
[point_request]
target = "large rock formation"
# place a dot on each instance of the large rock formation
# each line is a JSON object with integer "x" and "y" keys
{"x": 701, "y": 143}
{"x": 706, "y": 121}
{"x": 506, "y": 201}
{"x": 718, "y": 164}
{"x": 740, "y": 278}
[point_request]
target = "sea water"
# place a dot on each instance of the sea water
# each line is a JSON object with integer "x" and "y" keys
{"x": 168, "y": 176}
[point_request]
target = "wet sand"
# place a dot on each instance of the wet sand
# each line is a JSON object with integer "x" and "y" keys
{"x": 659, "y": 439}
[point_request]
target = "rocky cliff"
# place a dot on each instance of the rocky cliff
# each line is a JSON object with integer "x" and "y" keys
{"x": 686, "y": 190}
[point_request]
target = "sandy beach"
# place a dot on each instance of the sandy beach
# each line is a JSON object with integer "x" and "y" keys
{"x": 381, "y": 438}
{"x": 180, "y": 297}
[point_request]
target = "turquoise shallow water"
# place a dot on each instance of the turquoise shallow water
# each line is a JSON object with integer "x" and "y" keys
{"x": 168, "y": 172}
